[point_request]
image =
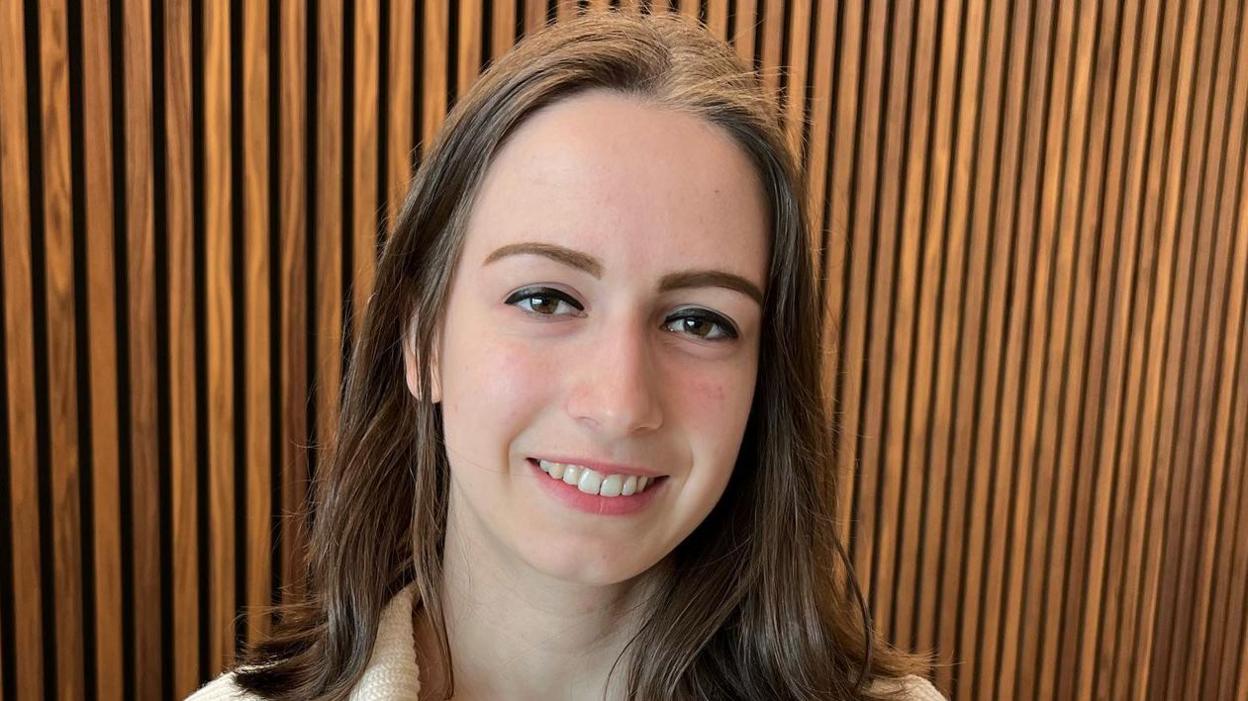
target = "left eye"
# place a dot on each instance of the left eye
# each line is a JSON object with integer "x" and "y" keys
{"x": 701, "y": 324}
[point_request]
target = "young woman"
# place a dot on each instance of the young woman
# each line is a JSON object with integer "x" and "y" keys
{"x": 583, "y": 451}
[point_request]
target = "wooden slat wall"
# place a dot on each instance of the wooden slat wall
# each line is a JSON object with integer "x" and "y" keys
{"x": 1032, "y": 221}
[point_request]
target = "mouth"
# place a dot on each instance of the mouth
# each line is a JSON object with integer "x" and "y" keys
{"x": 612, "y": 485}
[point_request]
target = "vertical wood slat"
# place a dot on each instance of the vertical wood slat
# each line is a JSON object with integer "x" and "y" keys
{"x": 184, "y": 409}
{"x": 256, "y": 286}
{"x": 219, "y": 344}
{"x": 1031, "y": 227}
{"x": 25, "y": 535}
{"x": 296, "y": 358}
{"x": 365, "y": 147}
{"x": 62, "y": 455}
{"x": 330, "y": 230}
{"x": 141, "y": 328}
{"x": 105, "y": 424}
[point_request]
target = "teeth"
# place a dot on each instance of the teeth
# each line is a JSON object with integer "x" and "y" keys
{"x": 594, "y": 482}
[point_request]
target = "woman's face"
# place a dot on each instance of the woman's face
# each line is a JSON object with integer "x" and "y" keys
{"x": 605, "y": 313}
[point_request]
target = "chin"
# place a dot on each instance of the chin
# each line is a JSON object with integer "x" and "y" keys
{"x": 579, "y": 564}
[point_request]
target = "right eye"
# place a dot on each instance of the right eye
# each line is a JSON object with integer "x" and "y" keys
{"x": 542, "y": 301}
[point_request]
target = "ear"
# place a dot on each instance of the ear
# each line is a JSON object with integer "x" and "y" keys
{"x": 411, "y": 366}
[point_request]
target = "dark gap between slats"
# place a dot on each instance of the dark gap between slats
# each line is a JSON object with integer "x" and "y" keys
{"x": 276, "y": 406}
{"x": 452, "y": 56}
{"x": 873, "y": 258}
{"x": 825, "y": 217}
{"x": 164, "y": 402}
{"x": 890, "y": 343}
{"x": 760, "y": 11}
{"x": 552, "y": 11}
{"x": 1097, "y": 648}
{"x": 382, "y": 222}
{"x": 203, "y": 518}
{"x": 418, "y": 75}
{"x": 39, "y": 312}
{"x": 82, "y": 350}
{"x": 238, "y": 318}
{"x": 955, "y": 118}
{"x": 786, "y": 64}
{"x": 851, "y": 222}
{"x": 310, "y": 280}
{"x": 803, "y": 154}
{"x": 730, "y": 27}
{"x": 486, "y": 38}
{"x": 347, "y": 192}
{"x": 517, "y": 30}
{"x": 121, "y": 296}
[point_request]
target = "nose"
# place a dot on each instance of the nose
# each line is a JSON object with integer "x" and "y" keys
{"x": 614, "y": 391}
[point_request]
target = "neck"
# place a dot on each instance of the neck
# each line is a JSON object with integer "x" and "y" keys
{"x": 516, "y": 633}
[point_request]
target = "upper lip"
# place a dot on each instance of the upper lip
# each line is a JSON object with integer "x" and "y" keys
{"x": 608, "y": 468}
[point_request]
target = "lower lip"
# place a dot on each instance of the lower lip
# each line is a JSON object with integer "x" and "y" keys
{"x": 569, "y": 495}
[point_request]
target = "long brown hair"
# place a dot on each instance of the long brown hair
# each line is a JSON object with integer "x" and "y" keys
{"x": 762, "y": 601}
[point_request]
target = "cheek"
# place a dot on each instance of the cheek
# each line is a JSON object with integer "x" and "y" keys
{"x": 496, "y": 378}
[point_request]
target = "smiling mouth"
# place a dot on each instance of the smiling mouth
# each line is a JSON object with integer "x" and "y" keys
{"x": 592, "y": 481}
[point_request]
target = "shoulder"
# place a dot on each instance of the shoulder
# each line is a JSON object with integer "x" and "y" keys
{"x": 223, "y": 688}
{"x": 908, "y": 688}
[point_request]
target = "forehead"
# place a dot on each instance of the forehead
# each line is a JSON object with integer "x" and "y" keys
{"x": 630, "y": 182}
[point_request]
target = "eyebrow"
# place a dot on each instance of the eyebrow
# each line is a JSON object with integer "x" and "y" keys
{"x": 671, "y": 281}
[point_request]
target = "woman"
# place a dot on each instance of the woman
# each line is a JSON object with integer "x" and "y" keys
{"x": 583, "y": 451}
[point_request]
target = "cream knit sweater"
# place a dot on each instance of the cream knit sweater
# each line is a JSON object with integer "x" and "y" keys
{"x": 392, "y": 673}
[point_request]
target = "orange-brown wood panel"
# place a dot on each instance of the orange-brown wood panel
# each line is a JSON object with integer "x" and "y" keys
{"x": 58, "y": 303}
{"x": 108, "y": 645}
{"x": 25, "y": 535}
{"x": 145, "y": 473}
{"x": 399, "y": 100}
{"x": 468, "y": 47}
{"x": 330, "y": 231}
{"x": 364, "y": 153}
{"x": 220, "y": 296}
{"x": 258, "y": 327}
{"x": 295, "y": 316}
{"x": 105, "y": 424}
{"x": 183, "y": 351}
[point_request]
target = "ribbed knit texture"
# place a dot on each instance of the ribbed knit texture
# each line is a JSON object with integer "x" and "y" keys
{"x": 392, "y": 673}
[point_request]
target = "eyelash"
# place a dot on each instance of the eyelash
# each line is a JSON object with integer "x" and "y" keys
{"x": 728, "y": 330}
